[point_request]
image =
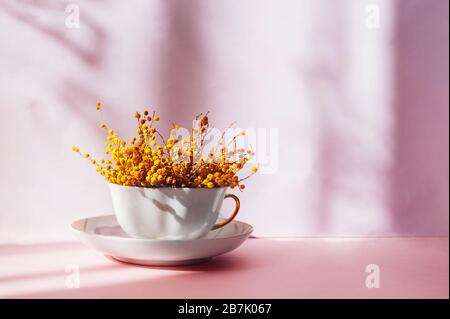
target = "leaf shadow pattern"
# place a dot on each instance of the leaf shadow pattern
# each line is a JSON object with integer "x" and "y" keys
{"x": 89, "y": 54}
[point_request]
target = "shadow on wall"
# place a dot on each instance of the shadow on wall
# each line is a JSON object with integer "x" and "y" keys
{"x": 73, "y": 92}
{"x": 418, "y": 189}
{"x": 25, "y": 12}
{"x": 183, "y": 63}
{"x": 420, "y": 174}
{"x": 325, "y": 82}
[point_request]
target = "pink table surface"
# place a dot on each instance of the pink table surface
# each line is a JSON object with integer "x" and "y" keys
{"x": 260, "y": 268}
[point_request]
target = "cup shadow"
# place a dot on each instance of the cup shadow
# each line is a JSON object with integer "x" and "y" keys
{"x": 220, "y": 263}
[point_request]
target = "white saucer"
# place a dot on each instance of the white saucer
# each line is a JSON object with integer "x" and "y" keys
{"x": 104, "y": 234}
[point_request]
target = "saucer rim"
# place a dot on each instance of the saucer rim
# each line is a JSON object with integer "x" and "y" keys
{"x": 84, "y": 233}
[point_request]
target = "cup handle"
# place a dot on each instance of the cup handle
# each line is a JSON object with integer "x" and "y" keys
{"x": 229, "y": 219}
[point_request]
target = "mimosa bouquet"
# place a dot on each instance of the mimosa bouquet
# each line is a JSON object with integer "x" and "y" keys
{"x": 181, "y": 160}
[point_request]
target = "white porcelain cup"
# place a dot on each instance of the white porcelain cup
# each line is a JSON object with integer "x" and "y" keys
{"x": 169, "y": 213}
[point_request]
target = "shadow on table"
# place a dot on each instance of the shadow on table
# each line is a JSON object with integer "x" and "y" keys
{"x": 222, "y": 263}
{"x": 48, "y": 274}
{"x": 219, "y": 274}
{"x": 222, "y": 276}
{"x": 11, "y": 250}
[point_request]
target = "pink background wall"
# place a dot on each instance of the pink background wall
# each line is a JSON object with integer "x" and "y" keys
{"x": 361, "y": 112}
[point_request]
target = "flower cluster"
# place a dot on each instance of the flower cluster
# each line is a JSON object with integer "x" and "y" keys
{"x": 149, "y": 160}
